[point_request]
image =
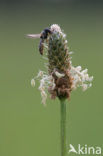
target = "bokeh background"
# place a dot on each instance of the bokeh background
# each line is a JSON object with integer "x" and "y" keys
{"x": 27, "y": 128}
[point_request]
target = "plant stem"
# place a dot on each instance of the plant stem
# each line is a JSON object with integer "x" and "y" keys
{"x": 63, "y": 127}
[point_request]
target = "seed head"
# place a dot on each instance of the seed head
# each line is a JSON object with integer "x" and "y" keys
{"x": 61, "y": 77}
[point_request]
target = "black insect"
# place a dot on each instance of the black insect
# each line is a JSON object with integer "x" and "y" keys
{"x": 43, "y": 36}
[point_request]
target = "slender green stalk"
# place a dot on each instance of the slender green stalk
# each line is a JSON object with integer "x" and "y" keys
{"x": 63, "y": 127}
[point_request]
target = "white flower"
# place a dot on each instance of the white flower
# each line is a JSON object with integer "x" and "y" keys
{"x": 84, "y": 87}
{"x": 79, "y": 68}
{"x": 80, "y": 78}
{"x": 44, "y": 96}
{"x": 64, "y": 36}
{"x": 71, "y": 52}
{"x": 84, "y": 71}
{"x": 59, "y": 75}
{"x": 66, "y": 41}
{"x": 33, "y": 83}
{"x": 45, "y": 82}
{"x": 55, "y": 28}
{"x": 90, "y": 85}
{"x": 40, "y": 74}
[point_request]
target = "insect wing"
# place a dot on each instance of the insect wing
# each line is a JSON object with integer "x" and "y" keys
{"x": 34, "y": 35}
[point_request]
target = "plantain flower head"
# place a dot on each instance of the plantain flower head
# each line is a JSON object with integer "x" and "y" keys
{"x": 61, "y": 76}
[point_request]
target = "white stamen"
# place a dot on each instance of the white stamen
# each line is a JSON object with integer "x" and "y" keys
{"x": 59, "y": 75}
{"x": 80, "y": 78}
{"x": 33, "y": 83}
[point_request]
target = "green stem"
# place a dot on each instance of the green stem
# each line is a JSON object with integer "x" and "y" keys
{"x": 63, "y": 127}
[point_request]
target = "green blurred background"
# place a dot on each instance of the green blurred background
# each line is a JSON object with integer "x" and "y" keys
{"x": 27, "y": 128}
